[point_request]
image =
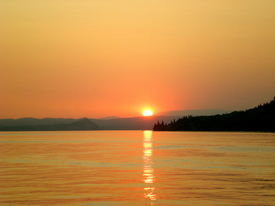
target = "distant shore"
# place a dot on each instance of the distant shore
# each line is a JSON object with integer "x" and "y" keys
{"x": 258, "y": 119}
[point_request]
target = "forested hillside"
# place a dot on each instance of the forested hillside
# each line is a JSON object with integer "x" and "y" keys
{"x": 260, "y": 118}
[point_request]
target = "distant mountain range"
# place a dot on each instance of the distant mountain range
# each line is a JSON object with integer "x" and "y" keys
{"x": 108, "y": 123}
{"x": 31, "y": 124}
{"x": 194, "y": 120}
{"x": 51, "y": 124}
{"x": 132, "y": 123}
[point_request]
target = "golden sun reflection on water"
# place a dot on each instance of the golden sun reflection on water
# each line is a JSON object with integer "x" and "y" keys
{"x": 148, "y": 172}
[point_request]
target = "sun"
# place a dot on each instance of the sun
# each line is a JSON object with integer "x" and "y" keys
{"x": 147, "y": 112}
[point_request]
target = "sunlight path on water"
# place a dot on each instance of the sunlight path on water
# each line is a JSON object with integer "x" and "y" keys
{"x": 148, "y": 166}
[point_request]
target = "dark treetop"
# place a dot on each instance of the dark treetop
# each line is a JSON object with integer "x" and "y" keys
{"x": 260, "y": 118}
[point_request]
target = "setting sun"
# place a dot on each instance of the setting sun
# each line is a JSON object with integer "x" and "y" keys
{"x": 147, "y": 112}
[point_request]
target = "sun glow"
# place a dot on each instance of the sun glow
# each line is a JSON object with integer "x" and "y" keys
{"x": 147, "y": 112}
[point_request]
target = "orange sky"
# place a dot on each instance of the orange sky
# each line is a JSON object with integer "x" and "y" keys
{"x": 72, "y": 58}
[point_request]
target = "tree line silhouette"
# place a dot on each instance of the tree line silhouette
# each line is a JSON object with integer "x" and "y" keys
{"x": 260, "y": 118}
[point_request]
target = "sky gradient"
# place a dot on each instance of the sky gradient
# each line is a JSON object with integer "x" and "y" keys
{"x": 73, "y": 59}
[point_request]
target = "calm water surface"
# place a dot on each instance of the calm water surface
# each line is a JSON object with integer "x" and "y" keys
{"x": 108, "y": 168}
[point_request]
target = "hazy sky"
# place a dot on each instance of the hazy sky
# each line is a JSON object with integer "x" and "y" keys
{"x": 97, "y": 58}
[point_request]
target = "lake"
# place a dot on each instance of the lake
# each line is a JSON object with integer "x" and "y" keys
{"x": 110, "y": 168}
